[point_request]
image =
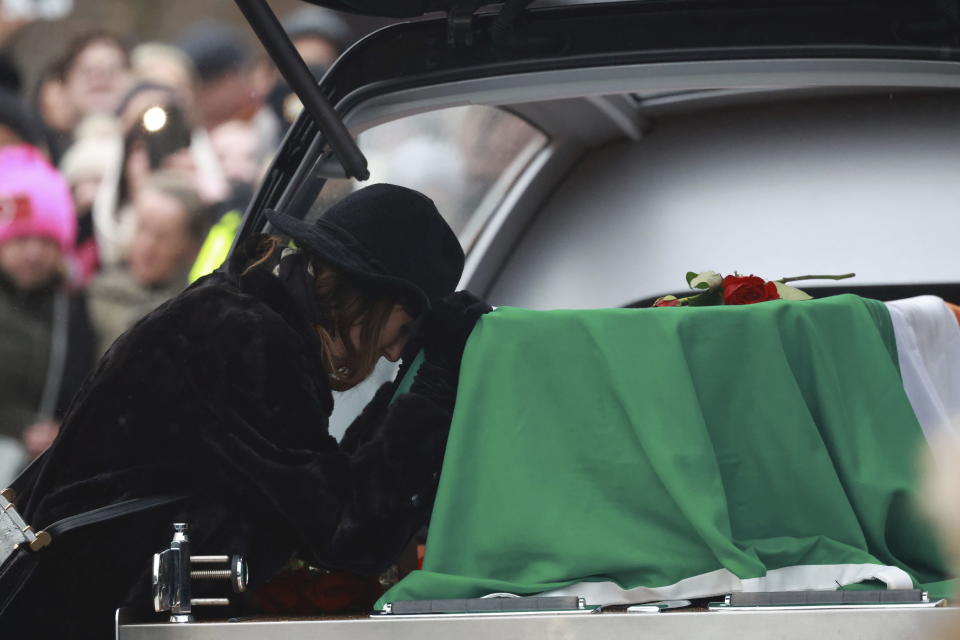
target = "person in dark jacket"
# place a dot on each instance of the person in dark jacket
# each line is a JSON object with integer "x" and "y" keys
{"x": 223, "y": 394}
{"x": 46, "y": 341}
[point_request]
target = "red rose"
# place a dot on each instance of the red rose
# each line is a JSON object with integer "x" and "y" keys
{"x": 314, "y": 592}
{"x": 747, "y": 290}
{"x": 667, "y": 301}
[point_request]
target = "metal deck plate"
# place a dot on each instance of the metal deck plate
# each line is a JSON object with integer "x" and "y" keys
{"x": 879, "y": 624}
{"x": 722, "y": 608}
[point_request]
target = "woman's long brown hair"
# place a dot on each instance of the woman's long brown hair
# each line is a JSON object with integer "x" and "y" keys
{"x": 343, "y": 303}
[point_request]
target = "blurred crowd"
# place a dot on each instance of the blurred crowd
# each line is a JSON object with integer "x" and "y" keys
{"x": 124, "y": 170}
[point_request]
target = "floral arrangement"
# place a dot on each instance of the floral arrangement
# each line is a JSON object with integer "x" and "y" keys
{"x": 714, "y": 289}
{"x": 304, "y": 590}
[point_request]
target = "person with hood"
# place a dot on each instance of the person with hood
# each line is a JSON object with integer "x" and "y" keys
{"x": 223, "y": 395}
{"x": 46, "y": 343}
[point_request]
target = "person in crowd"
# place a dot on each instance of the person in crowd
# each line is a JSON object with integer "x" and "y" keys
{"x": 55, "y": 113}
{"x": 143, "y": 95}
{"x": 319, "y": 35}
{"x": 84, "y": 165}
{"x": 170, "y": 222}
{"x": 223, "y": 394}
{"x": 225, "y": 88}
{"x": 166, "y": 65}
{"x": 90, "y": 78}
{"x": 96, "y": 73}
{"x": 17, "y": 126}
{"x": 229, "y": 87}
{"x": 155, "y": 132}
{"x": 158, "y": 135}
{"x": 243, "y": 147}
{"x": 162, "y": 65}
{"x": 45, "y": 337}
{"x": 237, "y": 147}
{"x": 10, "y": 77}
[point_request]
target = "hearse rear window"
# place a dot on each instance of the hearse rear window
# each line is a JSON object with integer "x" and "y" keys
{"x": 464, "y": 158}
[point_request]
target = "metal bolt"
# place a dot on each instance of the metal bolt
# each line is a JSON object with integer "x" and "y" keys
{"x": 212, "y": 574}
{"x": 208, "y": 602}
{"x": 209, "y": 559}
{"x": 237, "y": 573}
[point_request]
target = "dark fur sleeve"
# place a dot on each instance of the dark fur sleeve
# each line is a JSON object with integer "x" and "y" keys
{"x": 365, "y": 426}
{"x": 371, "y": 420}
{"x": 396, "y": 451}
{"x": 394, "y": 479}
{"x": 354, "y": 507}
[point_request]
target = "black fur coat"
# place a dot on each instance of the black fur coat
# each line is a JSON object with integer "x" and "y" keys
{"x": 219, "y": 394}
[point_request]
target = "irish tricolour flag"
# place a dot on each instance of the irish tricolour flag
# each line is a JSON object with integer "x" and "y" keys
{"x": 635, "y": 455}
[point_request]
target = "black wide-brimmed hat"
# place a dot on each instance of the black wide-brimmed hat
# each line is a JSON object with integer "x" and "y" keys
{"x": 387, "y": 235}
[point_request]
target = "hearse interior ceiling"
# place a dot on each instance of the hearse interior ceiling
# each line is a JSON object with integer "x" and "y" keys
{"x": 588, "y": 121}
{"x": 817, "y": 185}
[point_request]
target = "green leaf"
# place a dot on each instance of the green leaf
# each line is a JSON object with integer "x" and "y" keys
{"x": 690, "y": 276}
{"x": 706, "y": 280}
{"x": 791, "y": 293}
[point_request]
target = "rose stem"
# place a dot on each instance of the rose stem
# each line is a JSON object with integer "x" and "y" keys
{"x": 813, "y": 277}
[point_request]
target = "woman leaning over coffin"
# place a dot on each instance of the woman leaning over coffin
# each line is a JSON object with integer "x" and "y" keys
{"x": 224, "y": 394}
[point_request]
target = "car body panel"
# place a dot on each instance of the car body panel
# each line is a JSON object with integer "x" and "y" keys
{"x": 795, "y": 625}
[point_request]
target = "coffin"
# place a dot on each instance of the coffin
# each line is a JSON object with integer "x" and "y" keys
{"x": 631, "y": 455}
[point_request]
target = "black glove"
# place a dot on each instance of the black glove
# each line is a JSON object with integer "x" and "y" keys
{"x": 444, "y": 335}
{"x": 447, "y": 326}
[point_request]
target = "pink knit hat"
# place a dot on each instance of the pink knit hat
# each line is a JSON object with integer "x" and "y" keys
{"x": 34, "y": 198}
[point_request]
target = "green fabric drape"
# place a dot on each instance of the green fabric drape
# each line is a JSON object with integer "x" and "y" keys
{"x": 647, "y": 447}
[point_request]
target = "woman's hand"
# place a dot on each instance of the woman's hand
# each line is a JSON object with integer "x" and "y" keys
{"x": 38, "y": 436}
{"x": 448, "y": 325}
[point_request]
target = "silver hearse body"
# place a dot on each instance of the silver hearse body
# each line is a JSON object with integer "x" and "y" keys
{"x": 602, "y": 151}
